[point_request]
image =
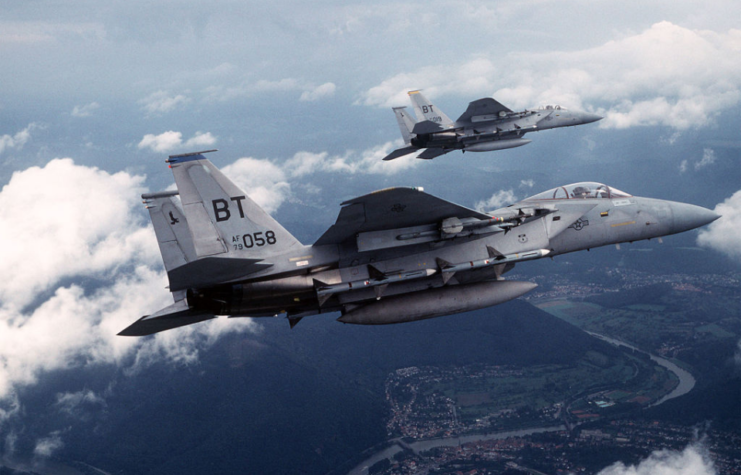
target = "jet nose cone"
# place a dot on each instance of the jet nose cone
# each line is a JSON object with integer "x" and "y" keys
{"x": 688, "y": 216}
{"x": 588, "y": 118}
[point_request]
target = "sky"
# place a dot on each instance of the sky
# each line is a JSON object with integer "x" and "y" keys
{"x": 297, "y": 97}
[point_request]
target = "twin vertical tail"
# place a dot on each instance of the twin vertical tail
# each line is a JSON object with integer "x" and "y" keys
{"x": 426, "y": 110}
{"x": 406, "y": 124}
{"x": 215, "y": 234}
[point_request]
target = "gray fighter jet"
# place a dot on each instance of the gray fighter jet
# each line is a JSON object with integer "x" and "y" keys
{"x": 395, "y": 255}
{"x": 486, "y": 125}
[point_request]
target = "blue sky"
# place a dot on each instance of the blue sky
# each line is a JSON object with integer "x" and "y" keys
{"x": 297, "y": 97}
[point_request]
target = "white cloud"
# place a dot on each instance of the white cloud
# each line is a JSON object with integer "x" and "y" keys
{"x": 497, "y": 200}
{"x": 71, "y": 402}
{"x": 708, "y": 158}
{"x": 172, "y": 140}
{"x": 262, "y": 180}
{"x": 163, "y": 142}
{"x": 320, "y": 92}
{"x": 18, "y": 140}
{"x": 86, "y": 110}
{"x": 69, "y": 223}
{"x": 39, "y": 244}
{"x": 200, "y": 139}
{"x": 46, "y": 446}
{"x": 352, "y": 162}
{"x": 691, "y": 461}
{"x": 249, "y": 88}
{"x": 722, "y": 234}
{"x": 666, "y": 75}
{"x": 529, "y": 183}
{"x": 683, "y": 166}
{"x": 162, "y": 102}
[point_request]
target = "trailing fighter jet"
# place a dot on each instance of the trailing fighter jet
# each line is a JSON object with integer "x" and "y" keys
{"x": 395, "y": 255}
{"x": 486, "y": 125}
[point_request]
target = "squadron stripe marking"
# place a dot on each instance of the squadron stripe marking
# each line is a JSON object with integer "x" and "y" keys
{"x": 623, "y": 224}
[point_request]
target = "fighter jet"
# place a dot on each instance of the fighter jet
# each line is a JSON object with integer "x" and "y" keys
{"x": 486, "y": 125}
{"x": 394, "y": 255}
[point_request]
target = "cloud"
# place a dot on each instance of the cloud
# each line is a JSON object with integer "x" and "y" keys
{"x": 529, "y": 183}
{"x": 248, "y": 88}
{"x": 691, "y": 461}
{"x": 46, "y": 446}
{"x": 84, "y": 264}
{"x": 264, "y": 182}
{"x": 666, "y": 75}
{"x": 352, "y": 162}
{"x": 683, "y": 166}
{"x": 70, "y": 403}
{"x": 86, "y": 110}
{"x": 18, "y": 140}
{"x": 722, "y": 234}
{"x": 40, "y": 246}
{"x": 172, "y": 140}
{"x": 708, "y": 158}
{"x": 162, "y": 102}
{"x": 497, "y": 200}
{"x": 320, "y": 92}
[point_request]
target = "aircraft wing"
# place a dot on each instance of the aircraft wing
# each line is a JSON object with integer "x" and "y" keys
{"x": 390, "y": 209}
{"x": 483, "y": 109}
{"x": 427, "y": 127}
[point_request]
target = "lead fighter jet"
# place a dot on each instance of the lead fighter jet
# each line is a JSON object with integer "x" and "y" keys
{"x": 395, "y": 255}
{"x": 486, "y": 125}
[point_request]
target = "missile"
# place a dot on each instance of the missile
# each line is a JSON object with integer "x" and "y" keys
{"x": 494, "y": 261}
{"x": 327, "y": 290}
{"x": 436, "y": 302}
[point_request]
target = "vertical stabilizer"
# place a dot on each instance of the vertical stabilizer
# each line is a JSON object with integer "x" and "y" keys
{"x": 223, "y": 220}
{"x": 406, "y": 124}
{"x": 171, "y": 229}
{"x": 425, "y": 110}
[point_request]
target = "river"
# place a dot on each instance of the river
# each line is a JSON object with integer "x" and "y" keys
{"x": 423, "y": 445}
{"x": 686, "y": 380}
{"x": 686, "y": 383}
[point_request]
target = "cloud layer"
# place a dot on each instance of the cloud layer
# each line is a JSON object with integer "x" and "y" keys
{"x": 691, "y": 461}
{"x": 722, "y": 234}
{"x": 82, "y": 264}
{"x": 171, "y": 140}
{"x": 666, "y": 75}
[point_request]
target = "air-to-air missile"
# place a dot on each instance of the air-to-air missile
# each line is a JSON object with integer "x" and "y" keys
{"x": 395, "y": 255}
{"x": 486, "y": 126}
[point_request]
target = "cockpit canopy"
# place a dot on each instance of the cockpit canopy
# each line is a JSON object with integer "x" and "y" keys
{"x": 580, "y": 191}
{"x": 551, "y": 107}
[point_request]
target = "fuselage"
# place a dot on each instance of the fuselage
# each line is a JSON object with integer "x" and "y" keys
{"x": 494, "y": 132}
{"x": 416, "y": 261}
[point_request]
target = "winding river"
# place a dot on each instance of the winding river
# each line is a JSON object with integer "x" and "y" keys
{"x": 686, "y": 383}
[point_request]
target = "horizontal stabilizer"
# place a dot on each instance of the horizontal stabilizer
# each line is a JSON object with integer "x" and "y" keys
{"x": 174, "y": 316}
{"x": 431, "y": 153}
{"x": 400, "y": 152}
{"x": 210, "y": 271}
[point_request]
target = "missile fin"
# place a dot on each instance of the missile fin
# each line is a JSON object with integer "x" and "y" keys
{"x": 443, "y": 264}
{"x": 493, "y": 253}
{"x": 379, "y": 289}
{"x": 446, "y": 276}
{"x": 374, "y": 273}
